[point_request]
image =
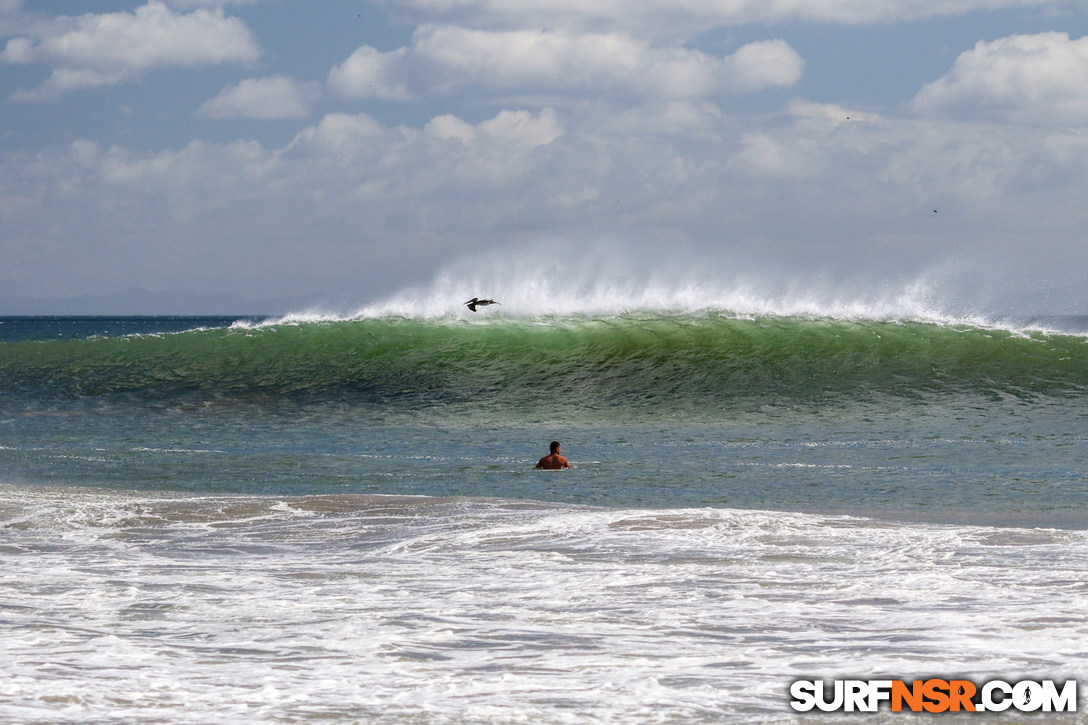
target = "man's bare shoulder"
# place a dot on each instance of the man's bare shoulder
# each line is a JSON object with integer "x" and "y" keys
{"x": 553, "y": 462}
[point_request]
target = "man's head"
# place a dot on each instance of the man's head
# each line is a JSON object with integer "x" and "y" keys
{"x": 555, "y": 447}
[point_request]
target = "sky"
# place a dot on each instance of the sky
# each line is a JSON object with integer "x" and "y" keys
{"x": 182, "y": 156}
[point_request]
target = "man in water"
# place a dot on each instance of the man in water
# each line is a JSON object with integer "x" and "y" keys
{"x": 553, "y": 459}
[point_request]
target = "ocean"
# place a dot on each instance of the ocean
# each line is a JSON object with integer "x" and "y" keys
{"x": 336, "y": 518}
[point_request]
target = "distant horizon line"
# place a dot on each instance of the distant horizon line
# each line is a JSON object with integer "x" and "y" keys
{"x": 140, "y": 302}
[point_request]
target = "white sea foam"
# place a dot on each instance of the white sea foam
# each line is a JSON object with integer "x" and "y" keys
{"x": 528, "y": 290}
{"x": 608, "y": 281}
{"x": 539, "y": 295}
{"x": 130, "y": 608}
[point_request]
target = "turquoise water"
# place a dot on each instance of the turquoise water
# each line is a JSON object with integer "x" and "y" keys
{"x": 656, "y": 364}
{"x": 672, "y": 410}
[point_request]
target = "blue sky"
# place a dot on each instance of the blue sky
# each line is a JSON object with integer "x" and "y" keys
{"x": 346, "y": 151}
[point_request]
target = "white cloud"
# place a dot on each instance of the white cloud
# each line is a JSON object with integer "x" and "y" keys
{"x": 511, "y": 59}
{"x": 190, "y": 4}
{"x": 268, "y": 97}
{"x": 348, "y": 188}
{"x": 341, "y": 135}
{"x": 766, "y": 64}
{"x": 108, "y": 48}
{"x": 665, "y": 18}
{"x": 448, "y": 127}
{"x": 370, "y": 73}
{"x": 445, "y": 58}
{"x": 522, "y": 130}
{"x": 1035, "y": 79}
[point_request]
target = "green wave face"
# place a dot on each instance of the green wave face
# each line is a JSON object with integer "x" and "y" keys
{"x": 636, "y": 361}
